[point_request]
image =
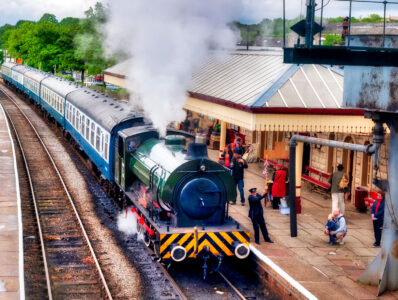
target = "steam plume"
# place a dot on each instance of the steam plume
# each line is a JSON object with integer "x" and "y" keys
{"x": 167, "y": 41}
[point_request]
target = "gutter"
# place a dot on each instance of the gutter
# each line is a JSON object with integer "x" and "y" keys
{"x": 280, "y": 110}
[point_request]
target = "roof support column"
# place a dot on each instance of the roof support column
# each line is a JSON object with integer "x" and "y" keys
{"x": 292, "y": 187}
{"x": 223, "y": 136}
{"x": 299, "y": 167}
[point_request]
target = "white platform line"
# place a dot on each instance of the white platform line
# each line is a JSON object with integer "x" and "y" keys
{"x": 295, "y": 284}
{"x": 21, "y": 278}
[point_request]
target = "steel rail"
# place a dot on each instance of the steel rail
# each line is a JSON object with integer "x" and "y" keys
{"x": 43, "y": 249}
{"x": 180, "y": 292}
{"x": 239, "y": 294}
{"x": 108, "y": 293}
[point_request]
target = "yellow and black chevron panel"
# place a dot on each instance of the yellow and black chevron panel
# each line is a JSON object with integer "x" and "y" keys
{"x": 218, "y": 242}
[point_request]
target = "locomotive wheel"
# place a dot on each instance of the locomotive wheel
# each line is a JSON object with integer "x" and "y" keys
{"x": 139, "y": 227}
{"x": 146, "y": 239}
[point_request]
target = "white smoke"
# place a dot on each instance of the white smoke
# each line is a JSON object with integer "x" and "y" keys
{"x": 167, "y": 41}
{"x": 127, "y": 222}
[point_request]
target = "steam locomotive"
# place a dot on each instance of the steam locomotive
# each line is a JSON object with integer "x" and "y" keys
{"x": 179, "y": 197}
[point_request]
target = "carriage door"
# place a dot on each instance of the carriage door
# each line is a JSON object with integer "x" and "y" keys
{"x": 119, "y": 160}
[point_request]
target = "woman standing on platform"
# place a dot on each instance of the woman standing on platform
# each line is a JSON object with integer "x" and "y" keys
{"x": 278, "y": 187}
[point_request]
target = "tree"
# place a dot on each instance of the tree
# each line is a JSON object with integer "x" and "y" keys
{"x": 1, "y": 57}
{"x": 21, "y": 22}
{"x": 4, "y": 33}
{"x": 69, "y": 21}
{"x": 90, "y": 40}
{"x": 48, "y": 18}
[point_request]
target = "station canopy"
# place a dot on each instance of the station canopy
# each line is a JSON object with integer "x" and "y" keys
{"x": 257, "y": 91}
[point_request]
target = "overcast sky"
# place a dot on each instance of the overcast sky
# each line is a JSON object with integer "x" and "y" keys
{"x": 14, "y": 10}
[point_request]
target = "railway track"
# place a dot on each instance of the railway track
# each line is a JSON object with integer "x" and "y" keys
{"x": 230, "y": 287}
{"x": 71, "y": 268}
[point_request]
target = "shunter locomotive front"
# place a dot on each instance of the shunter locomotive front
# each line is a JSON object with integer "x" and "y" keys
{"x": 180, "y": 197}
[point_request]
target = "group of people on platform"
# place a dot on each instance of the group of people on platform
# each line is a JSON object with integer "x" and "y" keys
{"x": 336, "y": 226}
{"x": 275, "y": 190}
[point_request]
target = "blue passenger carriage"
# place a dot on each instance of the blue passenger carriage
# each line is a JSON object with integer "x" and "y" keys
{"x": 17, "y": 74}
{"x": 93, "y": 120}
{"x": 32, "y": 81}
{"x": 6, "y": 71}
{"x": 52, "y": 93}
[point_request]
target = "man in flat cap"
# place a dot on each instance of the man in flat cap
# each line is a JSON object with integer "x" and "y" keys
{"x": 238, "y": 166}
{"x": 256, "y": 215}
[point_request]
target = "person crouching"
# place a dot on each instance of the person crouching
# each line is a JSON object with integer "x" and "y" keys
{"x": 341, "y": 228}
{"x": 256, "y": 215}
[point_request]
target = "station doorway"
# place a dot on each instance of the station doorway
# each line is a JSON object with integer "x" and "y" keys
{"x": 306, "y": 157}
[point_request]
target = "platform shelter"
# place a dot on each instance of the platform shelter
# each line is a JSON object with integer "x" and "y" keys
{"x": 255, "y": 94}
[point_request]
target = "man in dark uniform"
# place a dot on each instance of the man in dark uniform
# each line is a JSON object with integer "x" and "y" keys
{"x": 238, "y": 165}
{"x": 256, "y": 214}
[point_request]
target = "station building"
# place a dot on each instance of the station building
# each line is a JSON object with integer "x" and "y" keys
{"x": 266, "y": 101}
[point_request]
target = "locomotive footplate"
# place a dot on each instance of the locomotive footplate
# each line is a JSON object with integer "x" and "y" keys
{"x": 177, "y": 243}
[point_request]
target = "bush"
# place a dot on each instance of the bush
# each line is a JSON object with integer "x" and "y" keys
{"x": 332, "y": 39}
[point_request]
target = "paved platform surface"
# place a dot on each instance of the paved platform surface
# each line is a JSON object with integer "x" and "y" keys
{"x": 328, "y": 272}
{"x": 11, "y": 258}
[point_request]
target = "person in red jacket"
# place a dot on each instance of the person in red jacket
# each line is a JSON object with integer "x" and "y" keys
{"x": 278, "y": 187}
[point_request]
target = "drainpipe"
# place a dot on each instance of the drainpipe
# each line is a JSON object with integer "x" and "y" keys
{"x": 378, "y": 139}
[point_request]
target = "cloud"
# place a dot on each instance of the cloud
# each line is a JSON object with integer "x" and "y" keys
{"x": 15, "y": 10}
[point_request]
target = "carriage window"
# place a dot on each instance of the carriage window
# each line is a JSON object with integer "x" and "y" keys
{"x": 87, "y": 129}
{"x": 98, "y": 139}
{"x": 77, "y": 120}
{"x": 92, "y": 133}
{"x": 73, "y": 117}
{"x": 106, "y": 146}
{"x": 83, "y": 125}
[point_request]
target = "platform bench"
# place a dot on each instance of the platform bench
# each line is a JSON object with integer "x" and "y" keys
{"x": 314, "y": 181}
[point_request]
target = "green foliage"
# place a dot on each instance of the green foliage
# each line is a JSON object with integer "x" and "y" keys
{"x": 373, "y": 18}
{"x": 69, "y": 21}
{"x": 118, "y": 93}
{"x": 21, "y": 22}
{"x": 1, "y": 57}
{"x": 4, "y": 33}
{"x": 72, "y": 44}
{"x": 67, "y": 77}
{"x": 332, "y": 39}
{"x": 48, "y": 18}
{"x": 90, "y": 40}
{"x": 266, "y": 28}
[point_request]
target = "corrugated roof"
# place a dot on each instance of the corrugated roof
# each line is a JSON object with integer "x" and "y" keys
{"x": 305, "y": 86}
{"x": 241, "y": 77}
{"x": 261, "y": 79}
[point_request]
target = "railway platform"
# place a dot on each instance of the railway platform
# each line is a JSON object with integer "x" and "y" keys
{"x": 326, "y": 272}
{"x": 11, "y": 247}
